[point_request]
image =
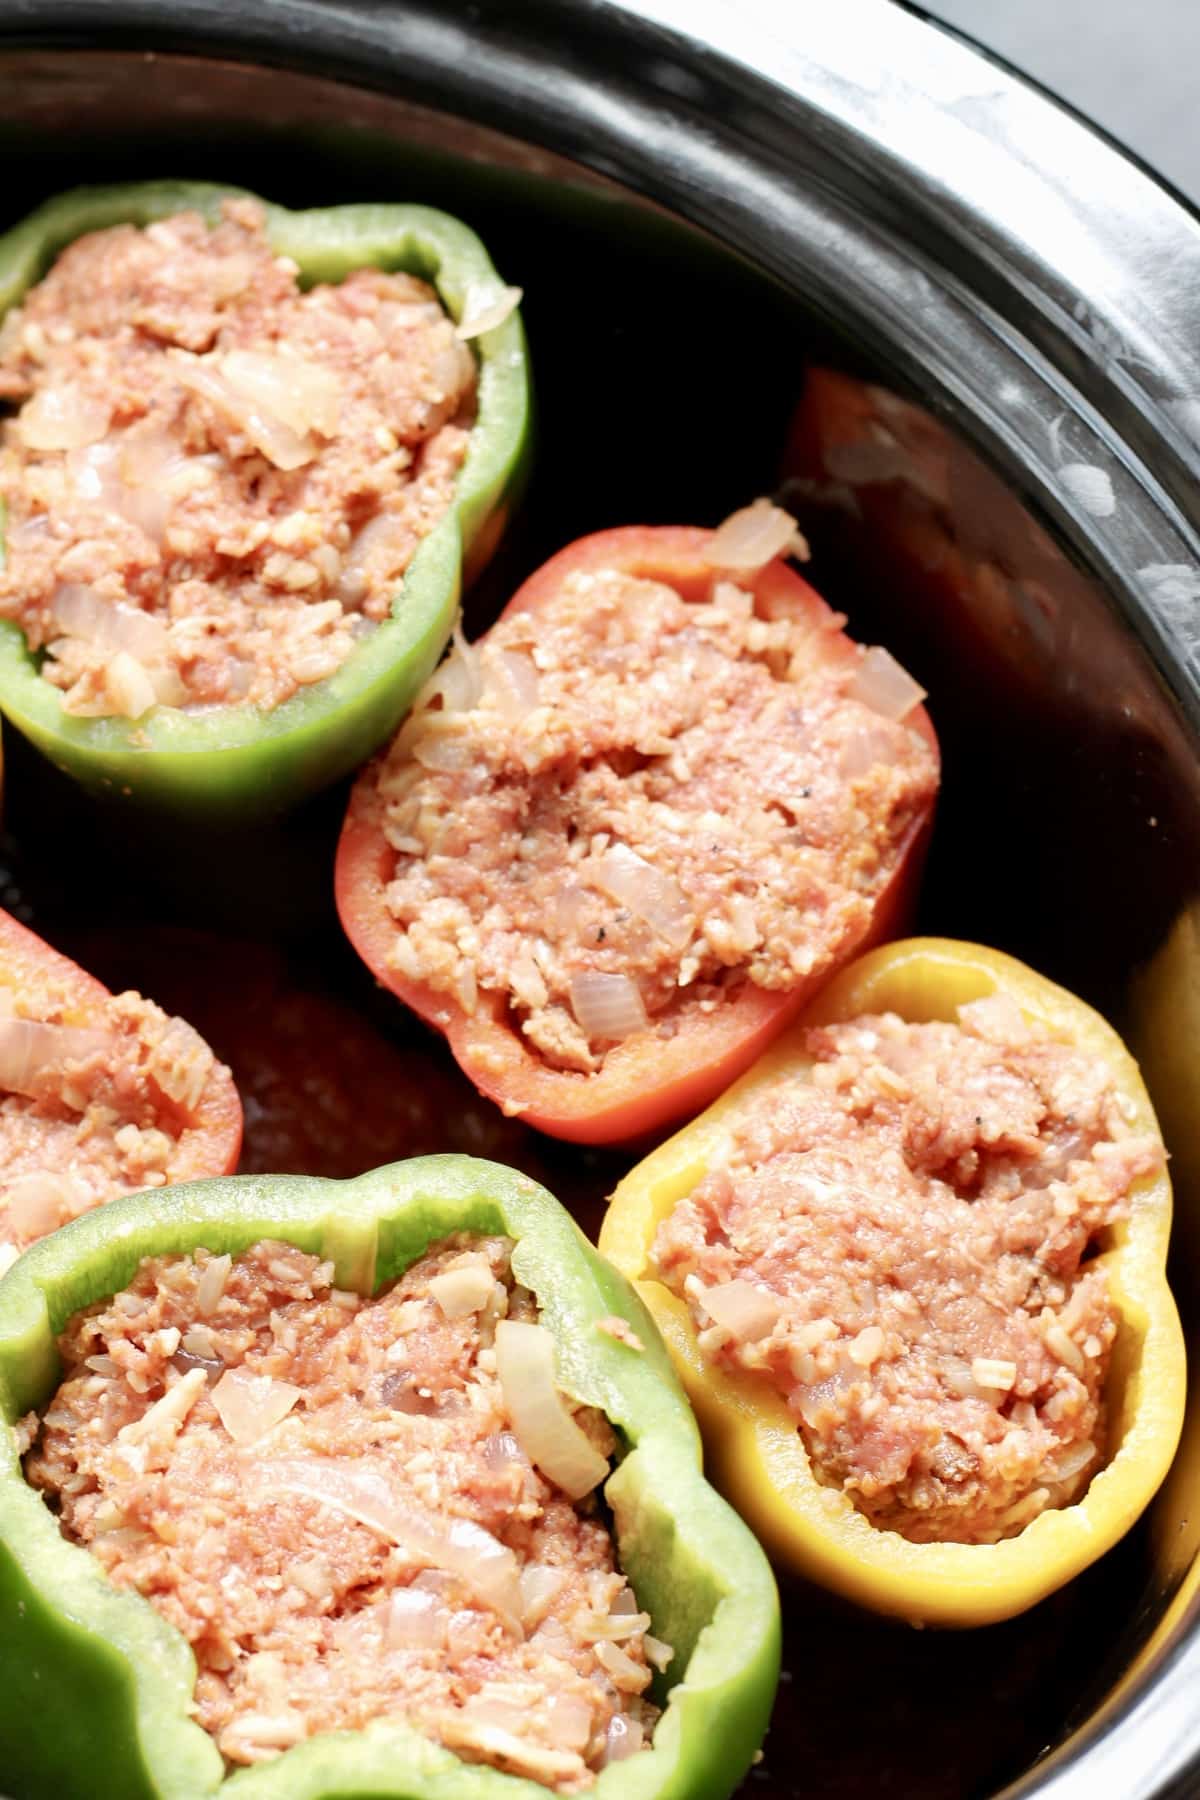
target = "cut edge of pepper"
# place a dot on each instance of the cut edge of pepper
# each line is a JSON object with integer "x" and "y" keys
{"x": 753, "y": 1446}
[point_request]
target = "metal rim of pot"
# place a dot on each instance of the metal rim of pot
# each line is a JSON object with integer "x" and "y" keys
{"x": 1028, "y": 278}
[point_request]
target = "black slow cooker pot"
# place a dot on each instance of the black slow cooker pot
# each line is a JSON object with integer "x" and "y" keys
{"x": 863, "y": 195}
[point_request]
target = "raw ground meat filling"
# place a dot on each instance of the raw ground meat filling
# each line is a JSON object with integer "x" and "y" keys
{"x": 325, "y": 1495}
{"x": 87, "y": 1113}
{"x": 902, "y": 1243}
{"x": 214, "y": 482}
{"x": 623, "y": 804}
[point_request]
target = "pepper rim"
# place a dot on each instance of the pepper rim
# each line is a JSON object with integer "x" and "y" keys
{"x": 159, "y": 755}
{"x": 753, "y": 1443}
{"x": 372, "y": 1227}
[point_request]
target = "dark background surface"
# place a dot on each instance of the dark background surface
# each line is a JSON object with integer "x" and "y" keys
{"x": 1131, "y": 68}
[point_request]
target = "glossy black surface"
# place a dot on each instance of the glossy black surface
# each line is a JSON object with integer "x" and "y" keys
{"x": 667, "y": 377}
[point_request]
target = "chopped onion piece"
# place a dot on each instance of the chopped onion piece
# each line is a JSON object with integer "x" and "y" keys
{"x": 997, "y": 1017}
{"x": 498, "y": 1730}
{"x": 36, "y": 1204}
{"x": 512, "y": 681}
{"x": 62, "y": 418}
{"x": 623, "y": 1738}
{"x": 384, "y": 529}
{"x": 154, "y": 472}
{"x": 468, "y": 677}
{"x": 253, "y": 1736}
{"x": 502, "y": 1449}
{"x": 168, "y": 686}
{"x": 880, "y": 683}
{"x": 1060, "y": 1343}
{"x": 306, "y": 396}
{"x": 138, "y": 474}
{"x": 618, "y": 1625}
{"x": 1071, "y": 1462}
{"x": 198, "y": 1342}
{"x": 745, "y": 1311}
{"x": 865, "y": 748}
{"x": 92, "y": 472}
{"x": 28, "y": 1048}
{"x": 540, "y": 1587}
{"x": 548, "y": 1434}
{"x": 171, "y": 1410}
{"x": 994, "y": 1372}
{"x": 487, "y": 305}
{"x": 437, "y": 750}
{"x": 211, "y": 1286}
{"x": 654, "y": 896}
{"x": 81, "y": 612}
{"x": 570, "y": 1720}
{"x": 185, "y": 1359}
{"x": 180, "y": 1064}
{"x": 624, "y": 1669}
{"x": 466, "y": 1289}
{"x": 607, "y": 1006}
{"x": 659, "y": 1655}
{"x": 456, "y": 684}
{"x": 751, "y": 537}
{"x": 569, "y": 909}
{"x": 128, "y": 685}
{"x": 249, "y": 1406}
{"x": 270, "y": 434}
{"x": 481, "y": 1562}
{"x": 416, "y": 1621}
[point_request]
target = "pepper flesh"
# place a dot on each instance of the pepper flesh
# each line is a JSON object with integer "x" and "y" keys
{"x": 648, "y": 1080}
{"x": 238, "y": 761}
{"x": 754, "y": 1449}
{"x": 82, "y": 1663}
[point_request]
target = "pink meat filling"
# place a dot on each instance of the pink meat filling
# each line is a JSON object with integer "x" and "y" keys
{"x": 619, "y": 808}
{"x": 325, "y": 1495}
{"x": 215, "y": 482}
{"x": 902, "y": 1243}
{"x": 90, "y": 1112}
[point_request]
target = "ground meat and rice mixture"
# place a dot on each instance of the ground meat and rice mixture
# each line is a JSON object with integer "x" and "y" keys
{"x": 90, "y": 1112}
{"x": 624, "y": 805}
{"x": 902, "y": 1244}
{"x": 214, "y": 482}
{"x": 326, "y": 1496}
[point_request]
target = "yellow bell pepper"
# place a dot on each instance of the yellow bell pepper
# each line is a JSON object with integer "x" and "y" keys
{"x": 754, "y": 1449}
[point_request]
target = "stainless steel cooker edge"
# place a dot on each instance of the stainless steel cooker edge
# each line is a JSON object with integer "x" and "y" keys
{"x": 1037, "y": 287}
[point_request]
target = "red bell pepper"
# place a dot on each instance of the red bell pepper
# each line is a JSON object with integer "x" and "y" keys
{"x": 646, "y": 1081}
{"x": 45, "y": 985}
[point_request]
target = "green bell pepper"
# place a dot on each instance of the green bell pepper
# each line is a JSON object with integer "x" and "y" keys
{"x": 95, "y": 1684}
{"x": 237, "y": 760}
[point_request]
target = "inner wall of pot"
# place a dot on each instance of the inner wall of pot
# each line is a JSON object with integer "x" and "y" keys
{"x": 674, "y": 384}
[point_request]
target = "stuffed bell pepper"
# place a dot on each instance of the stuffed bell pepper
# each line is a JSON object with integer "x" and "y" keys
{"x": 315, "y": 1488}
{"x": 912, "y": 1271}
{"x": 625, "y": 836}
{"x": 247, "y": 454}
{"x": 100, "y": 1094}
